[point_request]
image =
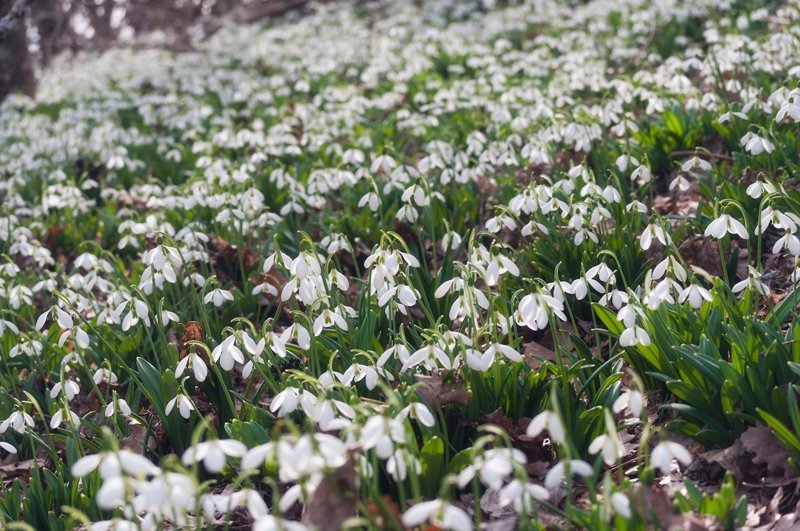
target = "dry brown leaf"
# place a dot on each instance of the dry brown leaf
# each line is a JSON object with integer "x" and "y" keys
{"x": 334, "y": 500}
{"x": 136, "y": 440}
{"x": 437, "y": 393}
{"x": 767, "y": 450}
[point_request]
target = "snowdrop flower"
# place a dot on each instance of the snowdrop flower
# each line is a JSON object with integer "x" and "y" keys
{"x": 218, "y": 296}
{"x": 167, "y": 316}
{"x": 70, "y": 388}
{"x": 103, "y": 374}
{"x": 695, "y": 294}
{"x": 420, "y": 412}
{"x": 550, "y": 421}
{"x": 631, "y": 399}
{"x": 755, "y": 145}
{"x": 635, "y": 335}
{"x": 297, "y": 333}
{"x": 212, "y": 453}
{"x": 753, "y": 281}
{"x": 119, "y": 405}
{"x": 789, "y": 242}
{"x": 665, "y": 452}
{"x": 557, "y": 474}
{"x": 431, "y": 356}
{"x": 268, "y": 522}
{"x": 371, "y": 200}
{"x": 329, "y": 318}
{"x": 534, "y": 310}
{"x": 440, "y": 514}
{"x": 621, "y": 504}
{"x": 18, "y": 421}
{"x": 610, "y": 446}
{"x": 195, "y": 363}
{"x": 400, "y": 462}
{"x": 183, "y": 403}
{"x": 382, "y": 434}
{"x": 493, "y": 467}
{"x": 58, "y": 418}
{"x": 695, "y": 163}
{"x": 757, "y": 189}
{"x": 286, "y": 402}
{"x": 7, "y": 447}
{"x": 113, "y": 464}
{"x": 521, "y": 495}
{"x": 227, "y": 354}
{"x": 653, "y": 231}
{"x": 680, "y": 182}
{"x": 726, "y": 224}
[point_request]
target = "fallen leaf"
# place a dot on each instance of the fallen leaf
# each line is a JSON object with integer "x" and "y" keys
{"x": 334, "y": 500}
{"x": 437, "y": 392}
{"x": 767, "y": 450}
{"x": 135, "y": 442}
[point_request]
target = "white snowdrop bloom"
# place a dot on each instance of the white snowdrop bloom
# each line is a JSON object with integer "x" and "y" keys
{"x": 547, "y": 420}
{"x": 61, "y": 415}
{"x": 695, "y": 294}
{"x": 759, "y": 187}
{"x": 218, "y": 296}
{"x": 631, "y": 399}
{"x": 609, "y": 445}
{"x": 534, "y": 310}
{"x": 167, "y": 316}
{"x": 522, "y": 495}
{"x": 725, "y": 224}
{"x": 269, "y": 522}
{"x": 182, "y": 402}
{"x": 383, "y": 433}
{"x": 103, "y": 374}
{"x": 635, "y": 335}
{"x": 7, "y": 447}
{"x": 493, "y": 467}
{"x": 431, "y": 356}
{"x": 440, "y": 514}
{"x": 213, "y": 453}
{"x": 753, "y": 281}
{"x": 385, "y": 163}
{"x": 641, "y": 174}
{"x": 18, "y": 421}
{"x": 755, "y": 144}
{"x": 623, "y": 161}
{"x": 672, "y": 265}
{"x": 286, "y": 401}
{"x": 118, "y": 405}
{"x": 557, "y": 474}
{"x": 195, "y": 363}
{"x": 680, "y": 182}
{"x": 665, "y": 452}
{"x": 70, "y": 388}
{"x": 621, "y": 504}
{"x": 695, "y": 163}
{"x": 297, "y": 333}
{"x": 420, "y": 412}
{"x": 653, "y": 231}
{"x": 789, "y": 242}
{"x": 328, "y": 319}
{"x": 227, "y": 354}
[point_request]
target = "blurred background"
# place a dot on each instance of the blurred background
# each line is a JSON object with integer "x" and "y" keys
{"x": 33, "y": 32}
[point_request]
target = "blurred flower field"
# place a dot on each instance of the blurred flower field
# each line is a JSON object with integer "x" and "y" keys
{"x": 410, "y": 265}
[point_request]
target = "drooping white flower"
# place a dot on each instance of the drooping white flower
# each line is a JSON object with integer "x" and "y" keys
{"x": 725, "y": 224}
{"x": 665, "y": 452}
{"x": 439, "y": 513}
{"x": 213, "y": 453}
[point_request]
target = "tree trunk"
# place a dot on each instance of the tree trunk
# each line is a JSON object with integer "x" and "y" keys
{"x": 16, "y": 67}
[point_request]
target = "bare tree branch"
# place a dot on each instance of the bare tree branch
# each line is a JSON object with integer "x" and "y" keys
{"x": 14, "y": 15}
